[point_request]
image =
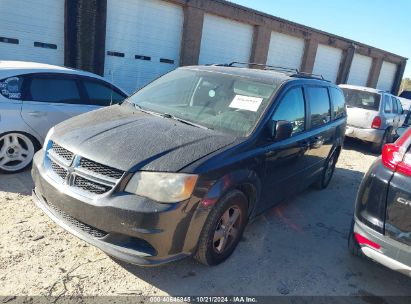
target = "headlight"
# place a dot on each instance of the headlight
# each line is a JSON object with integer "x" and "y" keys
{"x": 51, "y": 131}
{"x": 162, "y": 187}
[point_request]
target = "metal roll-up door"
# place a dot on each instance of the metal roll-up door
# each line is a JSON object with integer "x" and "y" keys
{"x": 387, "y": 76}
{"x": 360, "y": 70}
{"x": 285, "y": 51}
{"x": 327, "y": 62}
{"x": 224, "y": 40}
{"x": 143, "y": 41}
{"x": 32, "y": 30}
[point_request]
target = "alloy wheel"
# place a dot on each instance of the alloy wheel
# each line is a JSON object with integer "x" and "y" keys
{"x": 227, "y": 229}
{"x": 16, "y": 152}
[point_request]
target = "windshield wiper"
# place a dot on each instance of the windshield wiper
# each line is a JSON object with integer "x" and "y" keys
{"x": 169, "y": 116}
{"x": 147, "y": 111}
{"x": 187, "y": 122}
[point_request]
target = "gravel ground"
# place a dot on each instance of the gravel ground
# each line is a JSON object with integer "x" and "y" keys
{"x": 297, "y": 248}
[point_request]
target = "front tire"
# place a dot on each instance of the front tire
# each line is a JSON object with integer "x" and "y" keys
{"x": 16, "y": 152}
{"x": 223, "y": 229}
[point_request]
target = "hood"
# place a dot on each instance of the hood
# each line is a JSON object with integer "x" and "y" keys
{"x": 128, "y": 139}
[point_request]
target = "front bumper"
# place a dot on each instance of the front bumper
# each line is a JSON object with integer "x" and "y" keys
{"x": 370, "y": 135}
{"x": 128, "y": 227}
{"x": 393, "y": 254}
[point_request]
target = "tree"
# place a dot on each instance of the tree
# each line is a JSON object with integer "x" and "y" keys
{"x": 405, "y": 85}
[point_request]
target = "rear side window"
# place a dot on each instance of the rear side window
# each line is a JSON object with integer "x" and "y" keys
{"x": 54, "y": 90}
{"x": 394, "y": 105}
{"x": 292, "y": 109}
{"x": 338, "y": 103}
{"x": 362, "y": 99}
{"x": 319, "y": 105}
{"x": 387, "y": 104}
{"x": 400, "y": 108}
{"x": 11, "y": 87}
{"x": 100, "y": 94}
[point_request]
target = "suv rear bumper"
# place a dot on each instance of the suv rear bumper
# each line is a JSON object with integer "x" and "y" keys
{"x": 392, "y": 254}
{"x": 370, "y": 135}
{"x": 128, "y": 227}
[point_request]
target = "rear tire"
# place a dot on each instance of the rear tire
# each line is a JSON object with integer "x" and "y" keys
{"x": 387, "y": 138}
{"x": 223, "y": 229}
{"x": 328, "y": 170}
{"x": 17, "y": 150}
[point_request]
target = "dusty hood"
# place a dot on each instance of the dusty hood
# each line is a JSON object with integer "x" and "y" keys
{"x": 125, "y": 138}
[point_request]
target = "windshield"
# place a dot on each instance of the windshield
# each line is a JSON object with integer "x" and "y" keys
{"x": 218, "y": 101}
{"x": 362, "y": 99}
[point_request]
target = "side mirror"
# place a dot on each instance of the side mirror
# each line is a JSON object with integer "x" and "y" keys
{"x": 280, "y": 130}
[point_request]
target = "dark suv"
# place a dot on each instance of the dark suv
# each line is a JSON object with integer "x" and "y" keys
{"x": 381, "y": 229}
{"x": 180, "y": 167}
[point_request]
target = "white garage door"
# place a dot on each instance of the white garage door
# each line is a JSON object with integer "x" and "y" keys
{"x": 142, "y": 41}
{"x": 360, "y": 70}
{"x": 387, "y": 76}
{"x": 285, "y": 51}
{"x": 224, "y": 40}
{"x": 327, "y": 62}
{"x": 32, "y": 30}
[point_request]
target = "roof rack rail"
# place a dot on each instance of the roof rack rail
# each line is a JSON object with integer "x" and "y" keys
{"x": 265, "y": 66}
{"x": 308, "y": 75}
{"x": 290, "y": 71}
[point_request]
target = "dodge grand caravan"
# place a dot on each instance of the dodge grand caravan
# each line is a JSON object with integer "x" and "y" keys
{"x": 180, "y": 167}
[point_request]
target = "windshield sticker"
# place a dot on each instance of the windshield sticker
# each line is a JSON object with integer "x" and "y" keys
{"x": 246, "y": 103}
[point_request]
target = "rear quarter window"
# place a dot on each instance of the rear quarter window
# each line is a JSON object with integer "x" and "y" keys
{"x": 11, "y": 87}
{"x": 338, "y": 100}
{"x": 319, "y": 105}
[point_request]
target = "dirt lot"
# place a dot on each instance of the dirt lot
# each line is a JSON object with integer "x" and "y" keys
{"x": 298, "y": 248}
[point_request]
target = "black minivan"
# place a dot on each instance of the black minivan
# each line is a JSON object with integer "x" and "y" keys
{"x": 180, "y": 167}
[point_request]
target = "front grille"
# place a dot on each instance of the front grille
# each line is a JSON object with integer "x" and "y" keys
{"x": 100, "y": 169}
{"x": 90, "y": 186}
{"x": 60, "y": 171}
{"x": 94, "y": 232}
{"x": 87, "y": 176}
{"x": 63, "y": 153}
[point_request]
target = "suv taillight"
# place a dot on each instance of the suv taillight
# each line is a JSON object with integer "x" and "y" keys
{"x": 376, "y": 123}
{"x": 395, "y": 156}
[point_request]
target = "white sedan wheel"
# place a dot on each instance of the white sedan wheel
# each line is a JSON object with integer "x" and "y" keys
{"x": 16, "y": 152}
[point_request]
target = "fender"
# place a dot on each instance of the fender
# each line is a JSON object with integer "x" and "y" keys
{"x": 245, "y": 180}
{"x": 234, "y": 180}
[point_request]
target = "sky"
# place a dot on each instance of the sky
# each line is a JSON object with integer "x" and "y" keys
{"x": 380, "y": 23}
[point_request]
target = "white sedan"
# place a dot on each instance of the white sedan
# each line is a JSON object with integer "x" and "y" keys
{"x": 34, "y": 97}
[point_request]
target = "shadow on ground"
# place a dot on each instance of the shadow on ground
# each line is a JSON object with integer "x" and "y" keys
{"x": 297, "y": 248}
{"x": 359, "y": 146}
{"x": 20, "y": 183}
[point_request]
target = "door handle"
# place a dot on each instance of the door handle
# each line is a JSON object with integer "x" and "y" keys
{"x": 317, "y": 141}
{"x": 304, "y": 144}
{"x": 34, "y": 113}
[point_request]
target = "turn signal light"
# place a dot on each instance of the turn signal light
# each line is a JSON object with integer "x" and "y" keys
{"x": 376, "y": 123}
{"x": 364, "y": 241}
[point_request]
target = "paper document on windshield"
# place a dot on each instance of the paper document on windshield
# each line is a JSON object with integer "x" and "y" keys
{"x": 246, "y": 103}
